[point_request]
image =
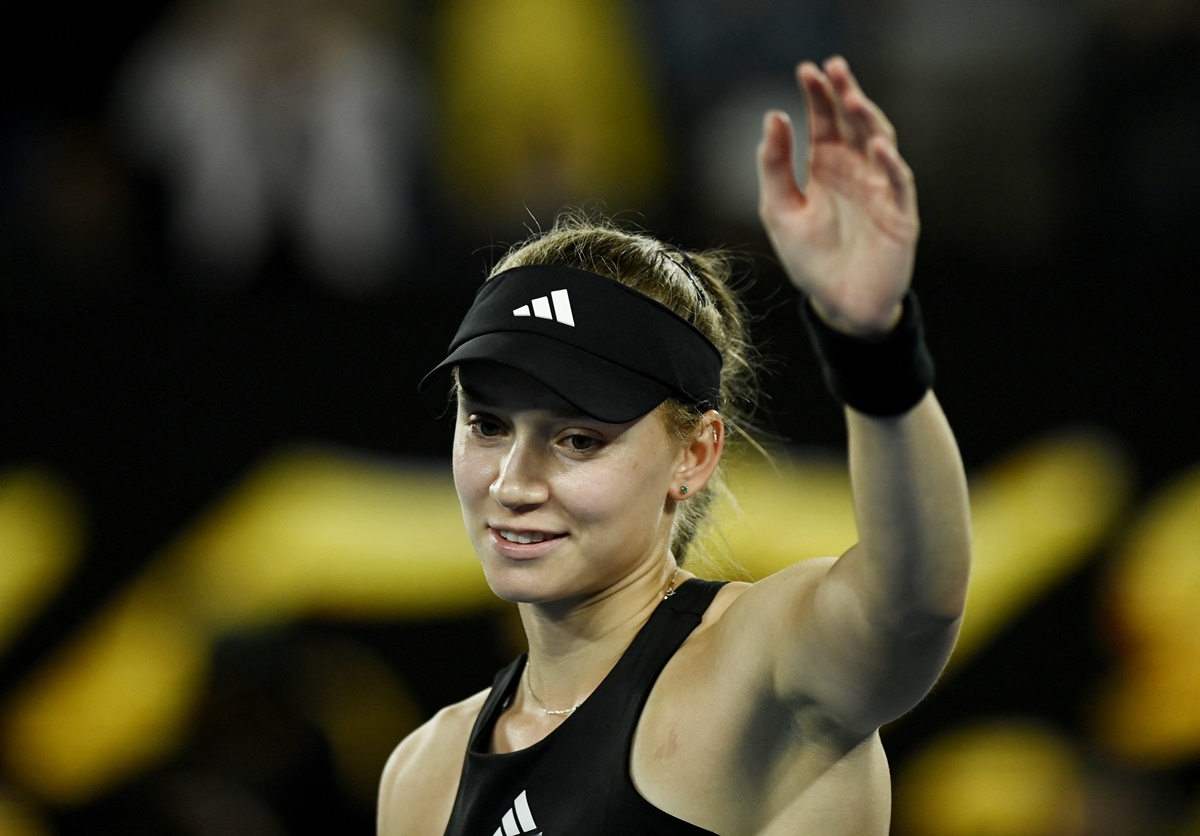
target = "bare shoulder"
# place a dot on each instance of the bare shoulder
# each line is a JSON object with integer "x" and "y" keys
{"x": 777, "y": 761}
{"x": 743, "y": 629}
{"x": 742, "y": 607}
{"x": 779, "y": 626}
{"x": 756, "y": 633}
{"x": 421, "y": 777}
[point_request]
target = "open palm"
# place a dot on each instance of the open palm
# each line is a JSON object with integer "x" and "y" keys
{"x": 847, "y": 240}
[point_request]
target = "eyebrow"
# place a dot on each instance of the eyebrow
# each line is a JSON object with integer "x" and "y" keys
{"x": 569, "y": 413}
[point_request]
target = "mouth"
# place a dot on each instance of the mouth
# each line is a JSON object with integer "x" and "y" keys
{"x": 524, "y": 538}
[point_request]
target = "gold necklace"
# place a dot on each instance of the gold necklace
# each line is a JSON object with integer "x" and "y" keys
{"x": 557, "y": 712}
{"x": 562, "y": 712}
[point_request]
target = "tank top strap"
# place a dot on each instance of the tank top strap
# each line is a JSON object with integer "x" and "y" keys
{"x": 619, "y": 698}
{"x": 628, "y": 686}
{"x": 694, "y": 595}
{"x": 503, "y": 685}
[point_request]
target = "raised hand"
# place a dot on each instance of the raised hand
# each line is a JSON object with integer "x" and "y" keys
{"x": 847, "y": 240}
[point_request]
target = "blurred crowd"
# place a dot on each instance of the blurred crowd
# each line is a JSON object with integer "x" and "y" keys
{"x": 346, "y": 143}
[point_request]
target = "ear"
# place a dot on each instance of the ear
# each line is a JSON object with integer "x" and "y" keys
{"x": 699, "y": 459}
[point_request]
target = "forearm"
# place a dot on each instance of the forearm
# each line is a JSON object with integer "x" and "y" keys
{"x": 910, "y": 497}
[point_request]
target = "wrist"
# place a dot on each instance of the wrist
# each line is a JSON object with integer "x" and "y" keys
{"x": 883, "y": 375}
{"x": 874, "y": 327}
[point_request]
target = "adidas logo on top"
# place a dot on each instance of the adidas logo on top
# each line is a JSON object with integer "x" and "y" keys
{"x": 518, "y": 821}
{"x": 541, "y": 308}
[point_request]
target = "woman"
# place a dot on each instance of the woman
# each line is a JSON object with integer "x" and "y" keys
{"x": 591, "y": 423}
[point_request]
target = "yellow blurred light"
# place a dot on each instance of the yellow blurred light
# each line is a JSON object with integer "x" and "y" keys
{"x": 116, "y": 699}
{"x": 1000, "y": 779}
{"x": 796, "y": 508}
{"x": 315, "y": 531}
{"x": 1037, "y": 516}
{"x": 1149, "y": 711}
{"x": 1154, "y": 585}
{"x": 587, "y": 127}
{"x": 310, "y": 532}
{"x": 41, "y": 533}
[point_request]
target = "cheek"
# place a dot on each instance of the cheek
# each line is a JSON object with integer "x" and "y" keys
{"x": 469, "y": 471}
{"x": 628, "y": 492}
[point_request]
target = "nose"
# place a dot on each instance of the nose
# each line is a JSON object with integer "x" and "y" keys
{"x": 520, "y": 482}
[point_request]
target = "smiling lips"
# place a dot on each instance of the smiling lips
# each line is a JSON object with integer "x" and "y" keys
{"x": 526, "y": 537}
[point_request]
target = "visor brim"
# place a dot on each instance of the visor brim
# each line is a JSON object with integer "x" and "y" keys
{"x": 597, "y": 387}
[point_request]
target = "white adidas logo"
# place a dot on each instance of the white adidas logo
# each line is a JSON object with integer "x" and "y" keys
{"x": 519, "y": 819}
{"x": 561, "y": 303}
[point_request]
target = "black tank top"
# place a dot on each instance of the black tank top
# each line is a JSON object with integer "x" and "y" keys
{"x": 575, "y": 781}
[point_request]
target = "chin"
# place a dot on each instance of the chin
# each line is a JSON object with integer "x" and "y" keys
{"x": 524, "y": 585}
{"x": 515, "y": 586}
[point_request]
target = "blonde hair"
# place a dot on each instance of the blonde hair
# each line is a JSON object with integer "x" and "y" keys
{"x": 699, "y": 286}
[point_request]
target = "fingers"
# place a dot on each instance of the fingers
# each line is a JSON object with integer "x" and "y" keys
{"x": 776, "y": 172}
{"x": 824, "y": 122}
{"x": 838, "y": 108}
{"x": 901, "y": 183}
{"x": 839, "y": 114}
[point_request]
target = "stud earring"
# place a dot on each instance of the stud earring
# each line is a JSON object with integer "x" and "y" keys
{"x": 683, "y": 489}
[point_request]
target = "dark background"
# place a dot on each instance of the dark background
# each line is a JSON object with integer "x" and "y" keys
{"x": 1057, "y": 270}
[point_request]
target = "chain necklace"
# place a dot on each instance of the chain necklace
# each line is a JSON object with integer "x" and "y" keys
{"x": 555, "y": 712}
{"x": 562, "y": 712}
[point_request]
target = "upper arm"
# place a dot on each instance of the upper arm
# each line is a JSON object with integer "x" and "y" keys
{"x": 401, "y": 783}
{"x": 868, "y": 663}
{"x": 420, "y": 780}
{"x": 807, "y": 636}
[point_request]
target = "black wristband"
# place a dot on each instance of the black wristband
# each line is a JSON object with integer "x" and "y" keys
{"x": 882, "y": 377}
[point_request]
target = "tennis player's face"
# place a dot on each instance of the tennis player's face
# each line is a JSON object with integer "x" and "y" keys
{"x": 557, "y": 504}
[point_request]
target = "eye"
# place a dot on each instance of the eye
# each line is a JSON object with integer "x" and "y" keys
{"x": 484, "y": 426}
{"x": 581, "y": 443}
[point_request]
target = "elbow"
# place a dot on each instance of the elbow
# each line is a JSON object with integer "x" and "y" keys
{"x": 935, "y": 599}
{"x": 911, "y": 663}
{"x": 930, "y": 617}
{"x": 929, "y": 630}
{"x": 924, "y": 621}
{"x": 927, "y": 605}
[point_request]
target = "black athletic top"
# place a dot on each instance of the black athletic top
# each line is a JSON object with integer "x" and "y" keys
{"x": 575, "y": 781}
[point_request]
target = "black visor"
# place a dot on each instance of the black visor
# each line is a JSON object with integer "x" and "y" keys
{"x": 611, "y": 352}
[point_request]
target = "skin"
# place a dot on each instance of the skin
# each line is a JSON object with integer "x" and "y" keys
{"x": 803, "y": 667}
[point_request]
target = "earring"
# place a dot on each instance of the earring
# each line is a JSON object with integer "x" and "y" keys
{"x": 683, "y": 489}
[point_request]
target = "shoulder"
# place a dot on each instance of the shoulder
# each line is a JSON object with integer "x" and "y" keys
{"x": 773, "y": 745}
{"x": 742, "y": 625}
{"x": 746, "y": 607}
{"x": 420, "y": 780}
{"x": 750, "y": 627}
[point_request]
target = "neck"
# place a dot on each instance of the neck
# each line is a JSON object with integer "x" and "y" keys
{"x": 573, "y": 647}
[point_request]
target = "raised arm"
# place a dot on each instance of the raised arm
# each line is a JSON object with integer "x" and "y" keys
{"x": 867, "y": 637}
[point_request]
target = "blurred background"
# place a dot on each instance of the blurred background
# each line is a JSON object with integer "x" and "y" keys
{"x": 233, "y": 234}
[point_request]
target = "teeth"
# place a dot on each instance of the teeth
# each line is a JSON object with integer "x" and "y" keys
{"x": 523, "y": 537}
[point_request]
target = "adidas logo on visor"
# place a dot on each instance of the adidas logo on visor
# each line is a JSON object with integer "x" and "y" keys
{"x": 541, "y": 308}
{"x": 518, "y": 820}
